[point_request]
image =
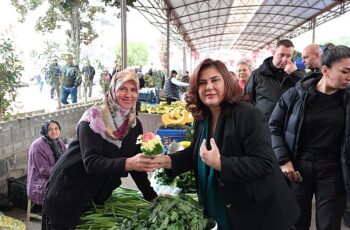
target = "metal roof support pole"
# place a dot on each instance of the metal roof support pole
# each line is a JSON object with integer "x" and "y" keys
{"x": 167, "y": 42}
{"x": 191, "y": 67}
{"x": 184, "y": 64}
{"x": 123, "y": 33}
{"x": 313, "y": 29}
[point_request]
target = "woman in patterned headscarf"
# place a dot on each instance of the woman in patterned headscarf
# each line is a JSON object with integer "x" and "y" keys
{"x": 43, "y": 154}
{"x": 105, "y": 150}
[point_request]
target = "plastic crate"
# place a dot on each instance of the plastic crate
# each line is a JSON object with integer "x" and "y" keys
{"x": 144, "y": 97}
{"x": 169, "y": 135}
{"x": 17, "y": 191}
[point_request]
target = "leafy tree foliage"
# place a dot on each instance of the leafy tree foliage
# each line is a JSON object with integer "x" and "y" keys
{"x": 10, "y": 73}
{"x": 78, "y": 13}
{"x": 51, "y": 50}
{"x": 137, "y": 53}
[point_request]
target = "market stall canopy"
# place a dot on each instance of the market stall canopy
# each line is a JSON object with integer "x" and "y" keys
{"x": 241, "y": 25}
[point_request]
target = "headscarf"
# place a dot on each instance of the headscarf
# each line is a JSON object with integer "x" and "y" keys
{"x": 110, "y": 120}
{"x": 54, "y": 144}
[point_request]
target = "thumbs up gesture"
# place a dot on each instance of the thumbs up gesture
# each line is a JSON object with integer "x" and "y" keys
{"x": 210, "y": 157}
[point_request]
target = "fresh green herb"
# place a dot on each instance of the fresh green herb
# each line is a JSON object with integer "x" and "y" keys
{"x": 168, "y": 212}
{"x": 185, "y": 181}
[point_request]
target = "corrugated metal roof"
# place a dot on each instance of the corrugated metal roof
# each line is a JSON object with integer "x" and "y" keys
{"x": 242, "y": 25}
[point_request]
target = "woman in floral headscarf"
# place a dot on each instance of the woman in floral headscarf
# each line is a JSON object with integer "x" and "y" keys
{"x": 43, "y": 154}
{"x": 105, "y": 150}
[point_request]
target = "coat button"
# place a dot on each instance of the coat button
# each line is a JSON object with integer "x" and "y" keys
{"x": 228, "y": 205}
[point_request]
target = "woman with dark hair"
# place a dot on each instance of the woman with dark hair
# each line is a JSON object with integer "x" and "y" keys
{"x": 43, "y": 154}
{"x": 310, "y": 128}
{"x": 238, "y": 181}
{"x": 105, "y": 151}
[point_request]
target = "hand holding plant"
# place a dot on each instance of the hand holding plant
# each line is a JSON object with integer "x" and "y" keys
{"x": 151, "y": 144}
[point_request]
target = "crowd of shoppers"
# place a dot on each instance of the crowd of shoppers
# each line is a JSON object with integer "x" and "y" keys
{"x": 263, "y": 146}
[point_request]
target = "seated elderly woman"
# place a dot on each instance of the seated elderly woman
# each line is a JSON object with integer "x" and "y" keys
{"x": 43, "y": 154}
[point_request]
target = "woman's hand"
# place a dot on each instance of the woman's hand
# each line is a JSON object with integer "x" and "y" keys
{"x": 210, "y": 157}
{"x": 163, "y": 161}
{"x": 141, "y": 163}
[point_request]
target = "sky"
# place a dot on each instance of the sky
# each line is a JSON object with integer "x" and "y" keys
{"x": 138, "y": 28}
{"x": 332, "y": 29}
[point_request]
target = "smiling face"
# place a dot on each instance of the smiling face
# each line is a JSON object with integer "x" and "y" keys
{"x": 53, "y": 131}
{"x": 243, "y": 72}
{"x": 126, "y": 95}
{"x": 338, "y": 75}
{"x": 211, "y": 88}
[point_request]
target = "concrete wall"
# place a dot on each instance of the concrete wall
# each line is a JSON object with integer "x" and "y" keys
{"x": 17, "y": 135}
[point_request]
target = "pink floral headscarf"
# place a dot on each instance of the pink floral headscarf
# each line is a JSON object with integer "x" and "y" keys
{"x": 110, "y": 120}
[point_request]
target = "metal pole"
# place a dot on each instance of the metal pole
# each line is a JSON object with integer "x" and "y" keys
{"x": 123, "y": 33}
{"x": 168, "y": 44}
{"x": 191, "y": 67}
{"x": 313, "y": 29}
{"x": 184, "y": 66}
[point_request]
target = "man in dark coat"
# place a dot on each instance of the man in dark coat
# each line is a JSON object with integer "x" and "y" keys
{"x": 312, "y": 55}
{"x": 275, "y": 76}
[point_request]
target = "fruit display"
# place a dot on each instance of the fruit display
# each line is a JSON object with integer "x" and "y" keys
{"x": 162, "y": 107}
{"x": 171, "y": 114}
{"x": 10, "y": 223}
{"x": 174, "y": 117}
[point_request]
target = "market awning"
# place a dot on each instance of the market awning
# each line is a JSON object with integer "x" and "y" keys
{"x": 240, "y": 25}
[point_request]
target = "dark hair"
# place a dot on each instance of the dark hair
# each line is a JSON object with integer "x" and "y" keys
{"x": 285, "y": 42}
{"x": 173, "y": 72}
{"x": 327, "y": 46}
{"x": 334, "y": 54}
{"x": 233, "y": 93}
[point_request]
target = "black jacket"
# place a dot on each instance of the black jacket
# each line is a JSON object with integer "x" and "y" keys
{"x": 265, "y": 88}
{"x": 90, "y": 169}
{"x": 312, "y": 73}
{"x": 254, "y": 190}
{"x": 287, "y": 119}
